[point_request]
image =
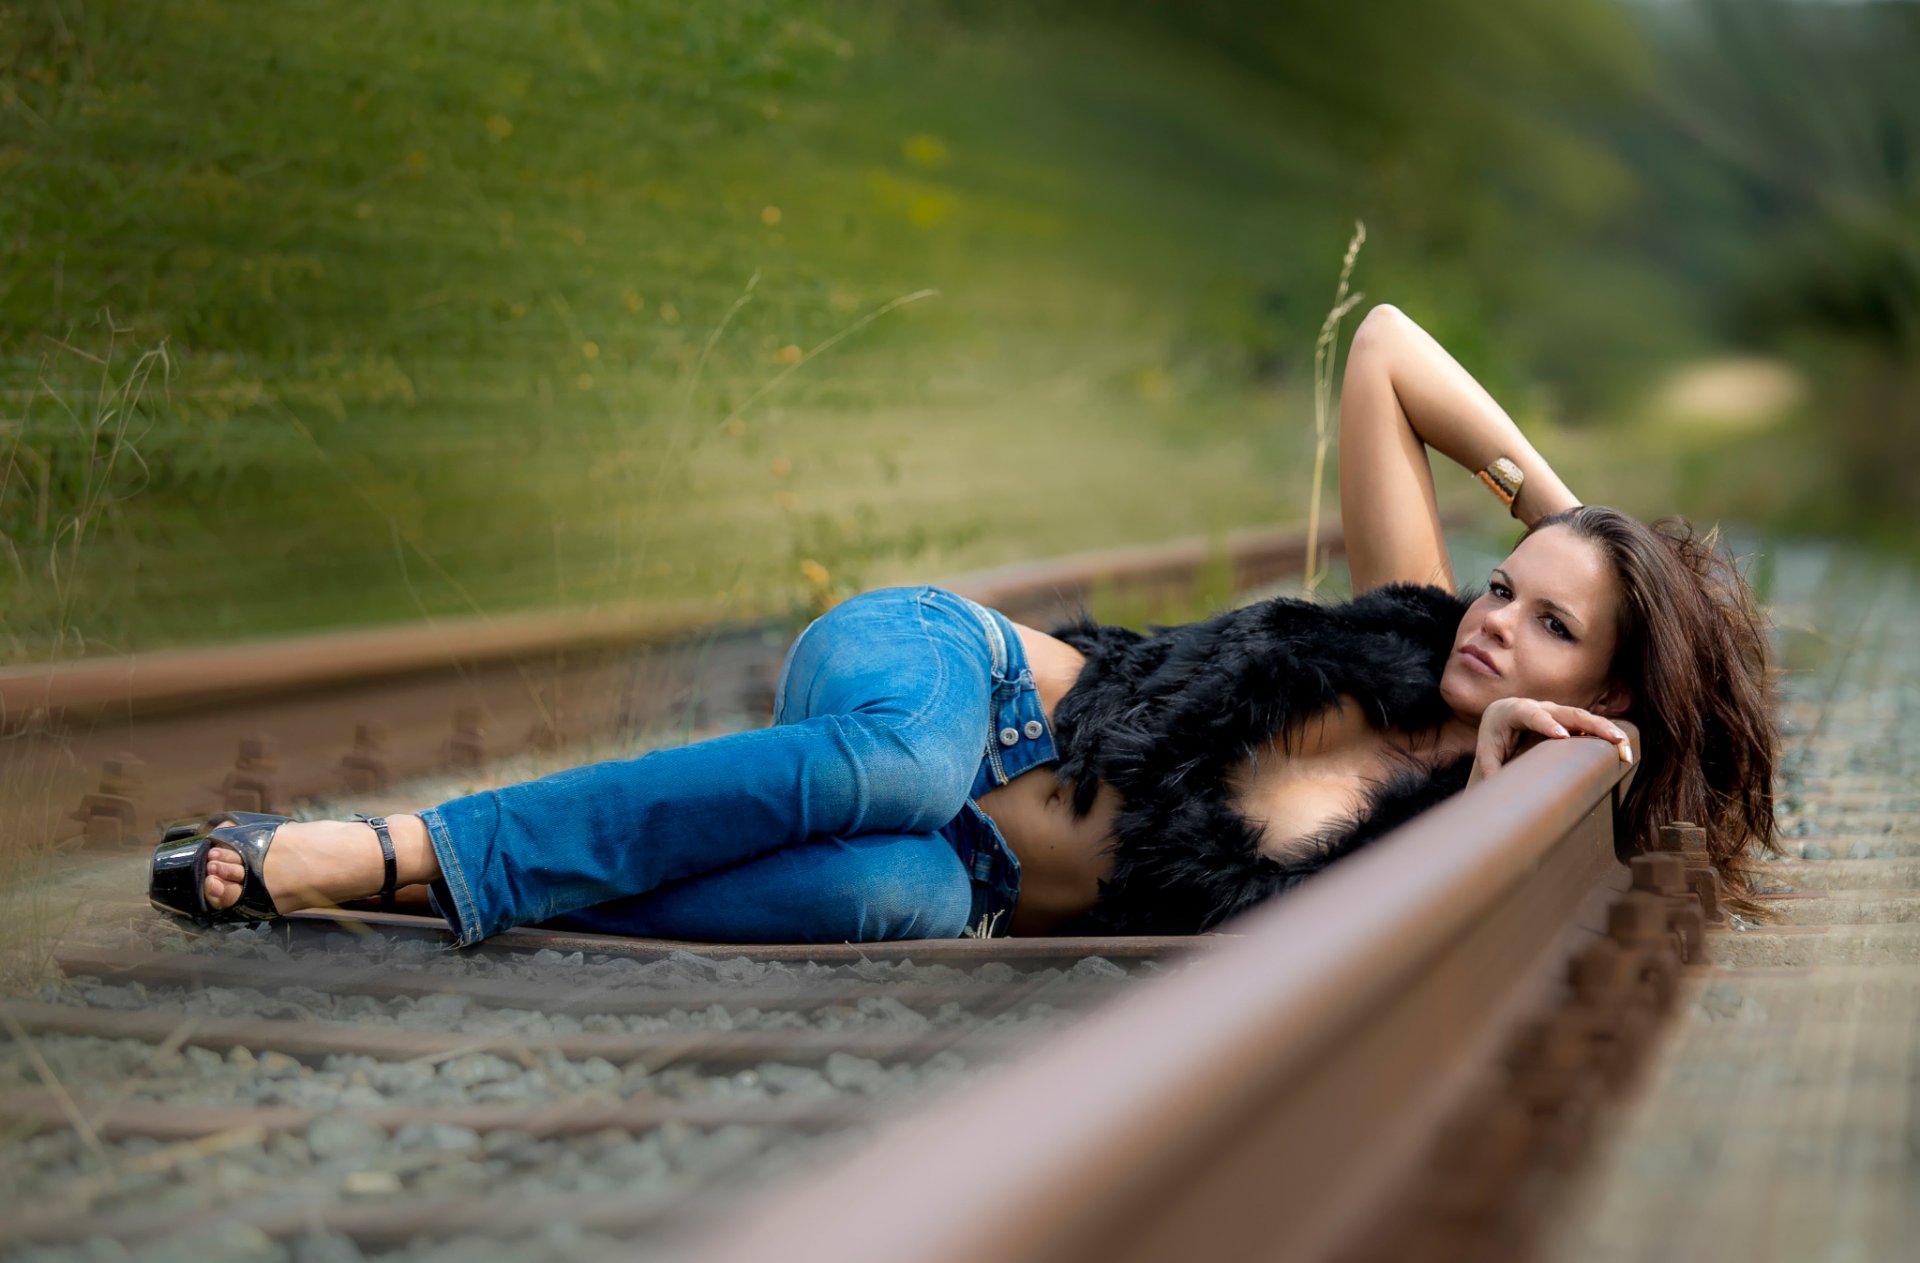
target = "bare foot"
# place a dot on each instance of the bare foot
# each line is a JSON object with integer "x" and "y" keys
{"x": 320, "y": 863}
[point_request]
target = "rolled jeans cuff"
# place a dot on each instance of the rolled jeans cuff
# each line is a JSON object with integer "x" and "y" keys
{"x": 449, "y": 894}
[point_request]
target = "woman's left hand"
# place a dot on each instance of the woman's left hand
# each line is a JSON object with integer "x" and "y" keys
{"x": 1509, "y": 723}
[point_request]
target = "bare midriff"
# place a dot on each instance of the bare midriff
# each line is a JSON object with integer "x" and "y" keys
{"x": 1294, "y": 788}
{"x": 1061, "y": 859}
{"x": 1319, "y": 775}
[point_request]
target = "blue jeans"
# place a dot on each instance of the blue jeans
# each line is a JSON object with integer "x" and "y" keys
{"x": 850, "y": 819}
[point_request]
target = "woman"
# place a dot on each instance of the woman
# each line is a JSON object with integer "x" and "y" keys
{"x": 934, "y": 769}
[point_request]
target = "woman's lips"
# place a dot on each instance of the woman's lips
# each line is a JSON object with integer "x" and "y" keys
{"x": 1478, "y": 660}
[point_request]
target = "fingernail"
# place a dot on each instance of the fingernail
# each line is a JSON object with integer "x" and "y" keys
{"x": 1558, "y": 731}
{"x": 1626, "y": 752}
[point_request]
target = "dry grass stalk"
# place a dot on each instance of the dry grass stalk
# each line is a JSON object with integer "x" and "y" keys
{"x": 1325, "y": 354}
{"x": 68, "y": 1106}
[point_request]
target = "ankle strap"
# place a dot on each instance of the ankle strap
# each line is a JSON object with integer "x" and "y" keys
{"x": 379, "y": 824}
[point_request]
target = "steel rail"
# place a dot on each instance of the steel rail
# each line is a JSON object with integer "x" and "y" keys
{"x": 194, "y": 677}
{"x": 1269, "y": 1101}
{"x": 959, "y": 952}
{"x": 113, "y": 746}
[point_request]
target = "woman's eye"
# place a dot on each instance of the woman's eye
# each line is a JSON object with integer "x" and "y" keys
{"x": 1500, "y": 590}
{"x": 1558, "y": 628}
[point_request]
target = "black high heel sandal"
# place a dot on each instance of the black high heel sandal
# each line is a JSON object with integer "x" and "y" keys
{"x": 178, "y": 880}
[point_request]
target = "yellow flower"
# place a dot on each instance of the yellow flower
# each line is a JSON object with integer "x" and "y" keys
{"x": 630, "y": 299}
{"x": 584, "y": 381}
{"x": 499, "y": 127}
{"x": 1153, "y": 383}
{"x": 928, "y": 209}
{"x": 815, "y": 573}
{"x": 769, "y": 215}
{"x": 590, "y": 349}
{"x": 669, "y": 313}
{"x": 790, "y": 354}
{"x": 780, "y": 467}
{"x": 924, "y": 149}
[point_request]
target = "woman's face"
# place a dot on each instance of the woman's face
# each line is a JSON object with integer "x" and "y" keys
{"x": 1545, "y": 628}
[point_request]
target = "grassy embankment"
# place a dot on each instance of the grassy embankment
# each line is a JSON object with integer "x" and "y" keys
{"x": 554, "y": 305}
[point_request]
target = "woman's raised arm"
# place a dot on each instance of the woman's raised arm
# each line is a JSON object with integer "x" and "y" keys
{"x": 1401, "y": 395}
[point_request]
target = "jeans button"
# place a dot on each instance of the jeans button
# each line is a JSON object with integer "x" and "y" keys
{"x": 1008, "y": 736}
{"x": 1034, "y": 728}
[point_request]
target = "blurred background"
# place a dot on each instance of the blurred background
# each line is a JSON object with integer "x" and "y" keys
{"x": 341, "y": 313}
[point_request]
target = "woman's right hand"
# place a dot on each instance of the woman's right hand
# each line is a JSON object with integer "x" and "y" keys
{"x": 1508, "y": 723}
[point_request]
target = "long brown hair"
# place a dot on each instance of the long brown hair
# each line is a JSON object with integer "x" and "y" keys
{"x": 1693, "y": 653}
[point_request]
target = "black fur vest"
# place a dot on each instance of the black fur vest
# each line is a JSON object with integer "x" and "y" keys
{"x": 1163, "y": 718}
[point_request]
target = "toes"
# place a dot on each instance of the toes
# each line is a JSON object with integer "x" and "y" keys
{"x": 225, "y": 876}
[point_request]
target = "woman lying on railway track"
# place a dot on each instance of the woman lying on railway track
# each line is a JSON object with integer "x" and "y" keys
{"x": 934, "y": 769}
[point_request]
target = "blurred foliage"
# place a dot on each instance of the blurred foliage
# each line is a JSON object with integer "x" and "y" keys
{"x": 503, "y": 304}
{"x": 1781, "y": 159}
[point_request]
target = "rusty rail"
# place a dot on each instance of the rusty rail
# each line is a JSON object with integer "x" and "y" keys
{"x": 963, "y": 952}
{"x": 117, "y": 745}
{"x": 187, "y": 678}
{"x": 1279, "y": 1096}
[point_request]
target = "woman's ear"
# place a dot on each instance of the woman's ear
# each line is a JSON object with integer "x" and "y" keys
{"x": 1613, "y": 702}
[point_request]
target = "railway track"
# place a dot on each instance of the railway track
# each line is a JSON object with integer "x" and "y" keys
{"x": 1483, "y": 1038}
{"x": 1780, "y": 1121}
{"x": 1411, "y": 1057}
{"x": 1456, "y": 999}
{"x": 360, "y": 1092}
{"x": 101, "y": 751}
{"x": 344, "y": 1084}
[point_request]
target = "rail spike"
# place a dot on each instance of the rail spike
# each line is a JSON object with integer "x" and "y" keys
{"x": 1638, "y": 922}
{"x": 1613, "y": 999}
{"x": 110, "y": 815}
{"x": 253, "y": 784}
{"x": 364, "y": 768}
{"x": 1689, "y": 841}
{"x": 1663, "y": 875}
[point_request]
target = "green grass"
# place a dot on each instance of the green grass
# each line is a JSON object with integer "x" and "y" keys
{"x": 455, "y": 311}
{"x": 485, "y": 307}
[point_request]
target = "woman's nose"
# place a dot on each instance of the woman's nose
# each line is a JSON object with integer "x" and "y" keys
{"x": 1499, "y": 623}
